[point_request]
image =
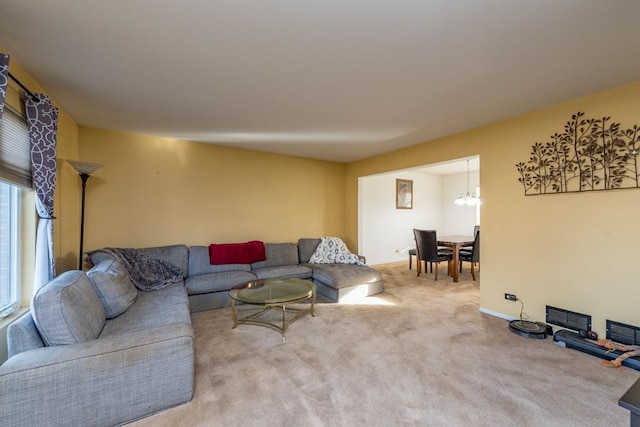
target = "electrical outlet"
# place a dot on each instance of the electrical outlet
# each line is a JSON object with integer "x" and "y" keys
{"x": 510, "y": 297}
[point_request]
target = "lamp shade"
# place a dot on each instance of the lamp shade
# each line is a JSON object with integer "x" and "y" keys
{"x": 84, "y": 167}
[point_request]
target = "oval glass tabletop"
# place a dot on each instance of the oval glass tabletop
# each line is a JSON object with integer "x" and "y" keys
{"x": 272, "y": 291}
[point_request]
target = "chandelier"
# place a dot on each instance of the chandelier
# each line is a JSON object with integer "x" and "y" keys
{"x": 468, "y": 198}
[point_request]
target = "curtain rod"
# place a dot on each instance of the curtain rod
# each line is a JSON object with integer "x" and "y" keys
{"x": 23, "y": 87}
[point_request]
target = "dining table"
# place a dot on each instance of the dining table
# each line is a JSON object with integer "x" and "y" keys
{"x": 455, "y": 242}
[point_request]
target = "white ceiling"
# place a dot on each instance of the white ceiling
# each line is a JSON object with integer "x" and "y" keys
{"x": 453, "y": 167}
{"x": 334, "y": 79}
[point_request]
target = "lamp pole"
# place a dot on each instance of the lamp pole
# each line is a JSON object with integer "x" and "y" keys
{"x": 84, "y": 171}
{"x": 84, "y": 177}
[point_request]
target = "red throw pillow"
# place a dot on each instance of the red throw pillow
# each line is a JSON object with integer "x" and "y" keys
{"x": 256, "y": 251}
{"x": 237, "y": 253}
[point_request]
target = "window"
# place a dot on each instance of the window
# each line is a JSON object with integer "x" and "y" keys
{"x": 15, "y": 177}
{"x": 9, "y": 248}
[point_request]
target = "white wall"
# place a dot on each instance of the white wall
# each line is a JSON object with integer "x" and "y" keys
{"x": 386, "y": 233}
{"x": 458, "y": 219}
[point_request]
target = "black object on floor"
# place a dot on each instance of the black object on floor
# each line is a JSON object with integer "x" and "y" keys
{"x": 573, "y": 340}
{"x": 527, "y": 329}
{"x": 587, "y": 334}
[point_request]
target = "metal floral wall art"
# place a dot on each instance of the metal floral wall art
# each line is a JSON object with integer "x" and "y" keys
{"x": 590, "y": 155}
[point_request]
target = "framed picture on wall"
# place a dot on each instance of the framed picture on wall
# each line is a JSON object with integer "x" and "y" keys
{"x": 404, "y": 194}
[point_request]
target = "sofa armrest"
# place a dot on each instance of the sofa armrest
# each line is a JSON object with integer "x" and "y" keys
{"x": 109, "y": 380}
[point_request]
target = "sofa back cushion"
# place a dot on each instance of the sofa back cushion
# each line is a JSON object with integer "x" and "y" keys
{"x": 177, "y": 255}
{"x": 199, "y": 263}
{"x": 278, "y": 254}
{"x": 67, "y": 310}
{"x": 114, "y": 287}
{"x": 306, "y": 248}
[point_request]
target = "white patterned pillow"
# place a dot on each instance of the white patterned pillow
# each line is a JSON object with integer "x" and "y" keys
{"x": 332, "y": 250}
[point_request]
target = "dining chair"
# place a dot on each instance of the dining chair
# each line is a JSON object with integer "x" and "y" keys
{"x": 412, "y": 253}
{"x": 476, "y": 228}
{"x": 472, "y": 256}
{"x": 427, "y": 251}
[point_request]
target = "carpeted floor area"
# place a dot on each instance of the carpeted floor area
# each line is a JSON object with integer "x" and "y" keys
{"x": 420, "y": 354}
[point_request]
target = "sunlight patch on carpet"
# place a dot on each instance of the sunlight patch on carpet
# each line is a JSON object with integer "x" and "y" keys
{"x": 354, "y": 298}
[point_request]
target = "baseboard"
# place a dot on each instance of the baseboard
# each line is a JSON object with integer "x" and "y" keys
{"x": 388, "y": 264}
{"x": 496, "y": 314}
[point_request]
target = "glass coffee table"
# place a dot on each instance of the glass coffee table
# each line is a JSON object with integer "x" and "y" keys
{"x": 273, "y": 294}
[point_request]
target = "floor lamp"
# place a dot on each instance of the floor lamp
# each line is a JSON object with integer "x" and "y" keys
{"x": 84, "y": 170}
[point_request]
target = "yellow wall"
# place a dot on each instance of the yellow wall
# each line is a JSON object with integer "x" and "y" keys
{"x": 574, "y": 251}
{"x": 157, "y": 191}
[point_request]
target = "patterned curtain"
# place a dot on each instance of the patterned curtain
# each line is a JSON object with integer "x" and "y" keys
{"x": 42, "y": 120}
{"x": 4, "y": 70}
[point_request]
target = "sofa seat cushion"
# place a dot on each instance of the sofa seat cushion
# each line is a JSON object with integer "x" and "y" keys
{"x": 199, "y": 263}
{"x": 152, "y": 309}
{"x": 67, "y": 310}
{"x": 113, "y": 286}
{"x": 216, "y": 282}
{"x": 344, "y": 275}
{"x": 283, "y": 272}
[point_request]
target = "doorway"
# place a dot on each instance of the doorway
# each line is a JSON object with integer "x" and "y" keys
{"x": 385, "y": 232}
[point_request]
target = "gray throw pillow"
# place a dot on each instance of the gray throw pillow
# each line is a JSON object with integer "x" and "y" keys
{"x": 113, "y": 286}
{"x": 67, "y": 310}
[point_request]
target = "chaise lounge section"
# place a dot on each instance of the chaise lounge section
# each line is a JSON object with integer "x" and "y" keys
{"x": 339, "y": 282}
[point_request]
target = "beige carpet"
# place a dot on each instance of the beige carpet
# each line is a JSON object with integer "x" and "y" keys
{"x": 419, "y": 354}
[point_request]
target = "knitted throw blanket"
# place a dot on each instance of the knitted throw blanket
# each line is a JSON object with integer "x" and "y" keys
{"x": 333, "y": 250}
{"x": 147, "y": 274}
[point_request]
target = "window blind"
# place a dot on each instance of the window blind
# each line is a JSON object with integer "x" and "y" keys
{"x": 15, "y": 149}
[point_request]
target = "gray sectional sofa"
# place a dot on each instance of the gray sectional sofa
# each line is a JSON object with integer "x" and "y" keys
{"x": 96, "y": 351}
